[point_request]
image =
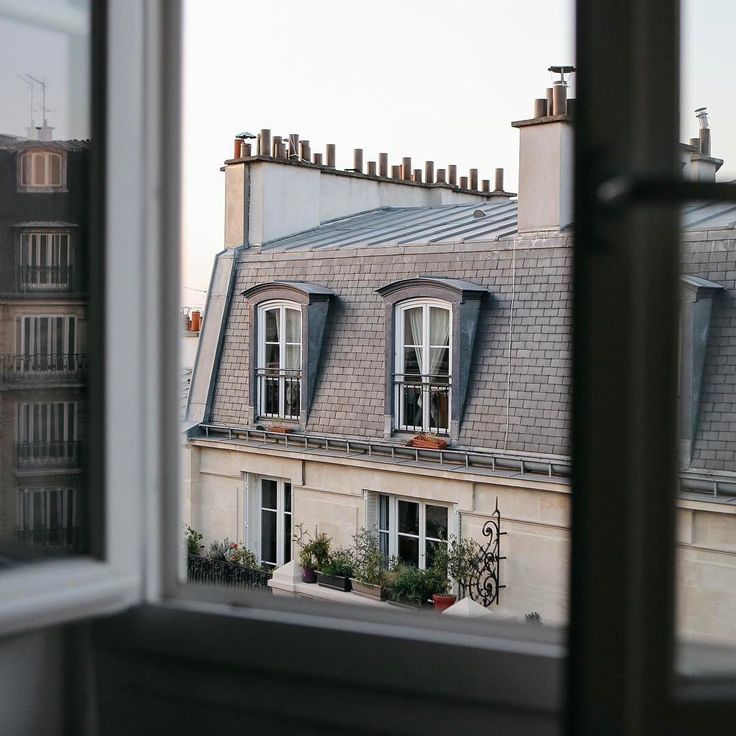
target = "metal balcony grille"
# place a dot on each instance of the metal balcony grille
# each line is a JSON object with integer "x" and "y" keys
{"x": 39, "y": 366}
{"x": 44, "y": 278}
{"x": 422, "y": 402}
{"x": 47, "y": 454}
{"x": 67, "y": 538}
{"x": 279, "y": 392}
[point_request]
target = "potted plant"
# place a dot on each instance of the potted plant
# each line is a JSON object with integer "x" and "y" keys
{"x": 280, "y": 428}
{"x": 369, "y": 566}
{"x": 453, "y": 563}
{"x": 428, "y": 441}
{"x": 314, "y": 551}
{"x": 407, "y": 585}
{"x": 337, "y": 571}
{"x": 194, "y": 541}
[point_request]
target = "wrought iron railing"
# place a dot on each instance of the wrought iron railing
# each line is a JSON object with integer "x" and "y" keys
{"x": 218, "y": 572}
{"x": 44, "y": 278}
{"x": 484, "y": 582}
{"x": 42, "y": 366}
{"x": 67, "y": 538}
{"x": 47, "y": 454}
{"x": 279, "y": 392}
{"x": 423, "y": 402}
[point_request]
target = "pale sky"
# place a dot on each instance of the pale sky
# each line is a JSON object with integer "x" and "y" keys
{"x": 430, "y": 79}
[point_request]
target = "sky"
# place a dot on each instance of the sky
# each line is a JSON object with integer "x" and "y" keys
{"x": 430, "y": 79}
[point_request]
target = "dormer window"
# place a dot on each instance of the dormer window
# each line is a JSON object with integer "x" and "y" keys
{"x": 42, "y": 170}
{"x": 430, "y": 331}
{"x": 422, "y": 378}
{"x": 279, "y": 365}
{"x": 289, "y": 319}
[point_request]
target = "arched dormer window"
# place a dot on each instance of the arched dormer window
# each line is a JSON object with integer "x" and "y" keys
{"x": 42, "y": 170}
{"x": 279, "y": 361}
{"x": 289, "y": 319}
{"x": 430, "y": 331}
{"x": 422, "y": 366}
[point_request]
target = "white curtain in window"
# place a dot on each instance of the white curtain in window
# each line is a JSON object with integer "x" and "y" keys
{"x": 439, "y": 331}
{"x": 415, "y": 320}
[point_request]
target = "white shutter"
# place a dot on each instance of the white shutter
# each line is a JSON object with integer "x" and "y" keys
{"x": 371, "y": 511}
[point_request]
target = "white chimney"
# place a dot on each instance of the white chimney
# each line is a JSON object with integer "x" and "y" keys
{"x": 698, "y": 164}
{"x": 546, "y": 161}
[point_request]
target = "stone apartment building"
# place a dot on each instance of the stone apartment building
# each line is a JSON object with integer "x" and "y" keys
{"x": 359, "y": 308}
{"x": 44, "y": 196}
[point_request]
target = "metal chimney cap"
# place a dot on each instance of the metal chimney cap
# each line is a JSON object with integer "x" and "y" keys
{"x": 701, "y": 114}
{"x": 245, "y": 136}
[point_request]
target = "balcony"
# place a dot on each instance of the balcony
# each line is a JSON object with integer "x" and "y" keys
{"x": 279, "y": 392}
{"x": 423, "y": 402}
{"x": 42, "y": 455}
{"x": 216, "y": 572}
{"x": 44, "y": 278}
{"x": 43, "y": 367}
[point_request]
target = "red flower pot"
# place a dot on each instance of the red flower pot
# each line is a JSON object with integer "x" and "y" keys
{"x": 442, "y": 602}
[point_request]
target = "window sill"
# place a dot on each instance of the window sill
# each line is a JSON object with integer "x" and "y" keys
{"x": 58, "y": 591}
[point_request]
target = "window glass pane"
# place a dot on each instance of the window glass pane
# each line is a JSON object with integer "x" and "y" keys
{"x": 272, "y": 325}
{"x": 287, "y": 497}
{"x": 412, "y": 361}
{"x": 268, "y": 536}
{"x": 268, "y": 494}
{"x": 272, "y": 356}
{"x": 45, "y": 142}
{"x": 287, "y": 538}
{"x": 431, "y": 551}
{"x": 293, "y": 326}
{"x": 436, "y": 521}
{"x": 408, "y": 517}
{"x": 383, "y": 504}
{"x": 439, "y": 361}
{"x": 293, "y": 357}
{"x": 409, "y": 550}
{"x": 413, "y": 326}
{"x": 439, "y": 326}
{"x": 292, "y": 391}
{"x": 706, "y": 527}
{"x": 412, "y": 405}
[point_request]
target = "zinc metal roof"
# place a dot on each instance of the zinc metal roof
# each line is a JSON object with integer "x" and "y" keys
{"x": 407, "y": 225}
{"x": 457, "y": 223}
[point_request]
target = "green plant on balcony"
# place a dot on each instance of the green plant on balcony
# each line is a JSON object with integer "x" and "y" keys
{"x": 193, "y": 540}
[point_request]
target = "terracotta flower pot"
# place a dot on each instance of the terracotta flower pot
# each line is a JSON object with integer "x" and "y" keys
{"x": 442, "y": 602}
{"x": 429, "y": 442}
{"x": 280, "y": 428}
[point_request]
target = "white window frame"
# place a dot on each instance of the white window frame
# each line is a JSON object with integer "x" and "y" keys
{"x": 38, "y": 245}
{"x": 399, "y": 419}
{"x": 46, "y": 181}
{"x": 393, "y": 526}
{"x": 253, "y": 522}
{"x": 282, "y": 306}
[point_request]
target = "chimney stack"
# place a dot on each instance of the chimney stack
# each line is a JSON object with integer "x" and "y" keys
{"x": 383, "y": 164}
{"x": 498, "y": 183}
{"x": 318, "y": 159}
{"x": 700, "y": 165}
{"x": 371, "y": 168}
{"x": 546, "y": 161}
{"x": 358, "y": 160}
{"x": 331, "y": 155}
{"x": 441, "y": 176}
{"x": 406, "y": 168}
{"x": 474, "y": 179}
{"x": 452, "y": 175}
{"x": 429, "y": 172}
{"x": 306, "y": 151}
{"x": 293, "y": 145}
{"x": 264, "y": 142}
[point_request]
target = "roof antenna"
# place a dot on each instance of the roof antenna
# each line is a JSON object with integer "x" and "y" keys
{"x": 30, "y": 130}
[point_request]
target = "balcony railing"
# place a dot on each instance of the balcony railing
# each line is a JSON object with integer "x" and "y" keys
{"x": 44, "y": 278}
{"x": 43, "y": 366}
{"x": 48, "y": 454}
{"x": 279, "y": 392}
{"x": 423, "y": 402}
{"x": 67, "y": 538}
{"x": 217, "y": 572}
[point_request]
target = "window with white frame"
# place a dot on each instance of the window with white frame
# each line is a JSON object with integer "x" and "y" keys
{"x": 47, "y": 344}
{"x": 47, "y": 515}
{"x": 268, "y": 530}
{"x": 279, "y": 367}
{"x": 44, "y": 260}
{"x": 41, "y": 169}
{"x": 47, "y": 433}
{"x": 410, "y": 530}
{"x": 422, "y": 378}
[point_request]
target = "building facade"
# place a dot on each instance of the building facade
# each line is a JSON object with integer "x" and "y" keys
{"x": 357, "y": 310}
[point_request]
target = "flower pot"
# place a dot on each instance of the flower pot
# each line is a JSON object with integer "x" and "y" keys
{"x": 279, "y": 428}
{"x": 442, "y": 602}
{"x": 375, "y": 592}
{"x": 336, "y": 582}
{"x": 428, "y": 442}
{"x": 309, "y": 575}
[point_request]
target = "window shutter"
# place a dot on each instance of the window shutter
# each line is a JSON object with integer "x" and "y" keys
{"x": 371, "y": 510}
